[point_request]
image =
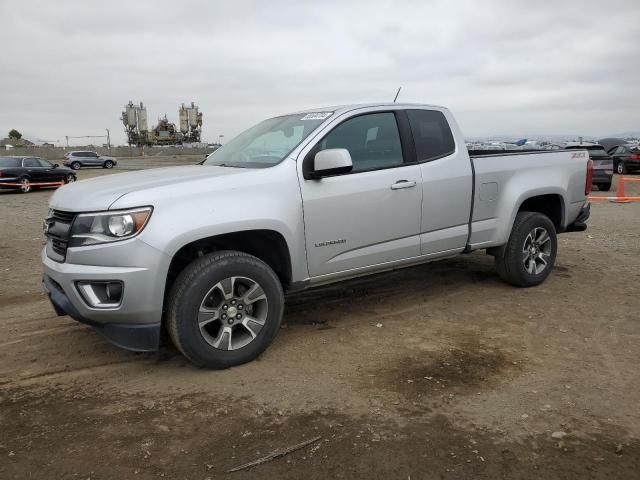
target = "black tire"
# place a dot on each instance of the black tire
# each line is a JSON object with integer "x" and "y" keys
{"x": 622, "y": 169}
{"x": 26, "y": 186}
{"x": 509, "y": 258}
{"x": 191, "y": 287}
{"x": 604, "y": 187}
{"x": 76, "y": 165}
{"x": 107, "y": 164}
{"x": 70, "y": 178}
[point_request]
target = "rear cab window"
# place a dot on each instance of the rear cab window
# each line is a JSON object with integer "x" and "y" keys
{"x": 431, "y": 133}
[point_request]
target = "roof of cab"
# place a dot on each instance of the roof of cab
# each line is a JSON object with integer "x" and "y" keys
{"x": 347, "y": 108}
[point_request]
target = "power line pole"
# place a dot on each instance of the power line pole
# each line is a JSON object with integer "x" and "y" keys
{"x": 108, "y": 139}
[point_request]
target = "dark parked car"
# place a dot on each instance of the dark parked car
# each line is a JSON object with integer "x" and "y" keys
{"x": 602, "y": 164}
{"x": 626, "y": 158}
{"x": 79, "y": 159}
{"x": 25, "y": 173}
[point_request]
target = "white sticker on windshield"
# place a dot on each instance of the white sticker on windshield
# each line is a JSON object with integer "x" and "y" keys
{"x": 317, "y": 116}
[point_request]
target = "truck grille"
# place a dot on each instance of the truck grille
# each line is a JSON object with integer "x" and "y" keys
{"x": 64, "y": 217}
{"x": 58, "y": 232}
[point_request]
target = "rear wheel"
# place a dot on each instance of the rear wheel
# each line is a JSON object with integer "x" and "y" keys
{"x": 225, "y": 309}
{"x": 25, "y": 185}
{"x": 76, "y": 165}
{"x": 621, "y": 169}
{"x": 528, "y": 257}
{"x": 108, "y": 164}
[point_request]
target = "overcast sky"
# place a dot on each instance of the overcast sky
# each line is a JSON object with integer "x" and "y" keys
{"x": 502, "y": 67}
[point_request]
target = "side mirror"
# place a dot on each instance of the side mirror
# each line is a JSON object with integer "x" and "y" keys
{"x": 332, "y": 161}
{"x": 55, "y": 165}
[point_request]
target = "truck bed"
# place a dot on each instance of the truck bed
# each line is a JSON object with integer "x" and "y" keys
{"x": 505, "y": 179}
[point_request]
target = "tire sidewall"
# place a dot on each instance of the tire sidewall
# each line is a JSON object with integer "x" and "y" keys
{"x": 533, "y": 220}
{"x": 188, "y": 299}
{"x": 76, "y": 165}
{"x": 108, "y": 164}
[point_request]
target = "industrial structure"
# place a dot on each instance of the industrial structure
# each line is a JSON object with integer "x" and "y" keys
{"x": 139, "y": 134}
{"x": 190, "y": 123}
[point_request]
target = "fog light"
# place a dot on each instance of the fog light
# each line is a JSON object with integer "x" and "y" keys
{"x": 101, "y": 294}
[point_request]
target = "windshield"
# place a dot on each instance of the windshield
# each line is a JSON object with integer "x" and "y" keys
{"x": 267, "y": 143}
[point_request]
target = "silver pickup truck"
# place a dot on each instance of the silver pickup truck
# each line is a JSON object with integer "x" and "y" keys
{"x": 208, "y": 251}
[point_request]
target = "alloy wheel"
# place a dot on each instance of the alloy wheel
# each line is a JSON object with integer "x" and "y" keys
{"x": 232, "y": 313}
{"x": 536, "y": 251}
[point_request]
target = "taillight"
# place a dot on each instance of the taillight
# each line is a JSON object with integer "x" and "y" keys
{"x": 587, "y": 185}
{"x": 635, "y": 156}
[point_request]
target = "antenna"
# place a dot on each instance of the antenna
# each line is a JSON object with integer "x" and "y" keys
{"x": 397, "y": 93}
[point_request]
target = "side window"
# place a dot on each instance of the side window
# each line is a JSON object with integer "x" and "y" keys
{"x": 431, "y": 133}
{"x": 44, "y": 163}
{"x": 372, "y": 140}
{"x": 30, "y": 162}
{"x": 92, "y": 154}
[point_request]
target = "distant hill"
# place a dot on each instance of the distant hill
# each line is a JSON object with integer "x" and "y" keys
{"x": 23, "y": 142}
{"x": 631, "y": 134}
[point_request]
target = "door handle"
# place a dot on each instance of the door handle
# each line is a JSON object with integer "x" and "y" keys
{"x": 400, "y": 184}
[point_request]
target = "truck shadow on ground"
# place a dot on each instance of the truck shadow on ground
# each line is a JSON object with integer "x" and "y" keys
{"x": 395, "y": 289}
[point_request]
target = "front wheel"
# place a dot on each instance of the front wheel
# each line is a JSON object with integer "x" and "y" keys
{"x": 528, "y": 257}
{"x": 225, "y": 309}
{"x": 108, "y": 164}
{"x": 70, "y": 178}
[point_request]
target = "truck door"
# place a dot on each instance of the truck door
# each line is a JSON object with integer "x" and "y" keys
{"x": 447, "y": 182}
{"x": 370, "y": 215}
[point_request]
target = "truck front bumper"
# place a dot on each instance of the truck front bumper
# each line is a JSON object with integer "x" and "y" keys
{"x": 135, "y": 323}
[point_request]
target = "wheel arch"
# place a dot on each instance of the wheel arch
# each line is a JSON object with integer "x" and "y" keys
{"x": 549, "y": 204}
{"x": 269, "y": 246}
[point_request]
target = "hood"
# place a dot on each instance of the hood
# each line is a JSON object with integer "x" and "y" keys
{"x": 100, "y": 193}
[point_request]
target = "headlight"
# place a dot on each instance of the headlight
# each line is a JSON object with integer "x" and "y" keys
{"x": 104, "y": 227}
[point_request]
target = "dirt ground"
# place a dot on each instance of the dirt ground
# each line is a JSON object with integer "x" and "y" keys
{"x": 438, "y": 371}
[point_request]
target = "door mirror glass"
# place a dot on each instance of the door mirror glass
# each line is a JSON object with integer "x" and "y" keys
{"x": 332, "y": 161}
